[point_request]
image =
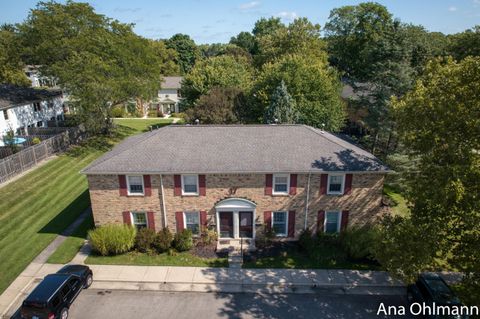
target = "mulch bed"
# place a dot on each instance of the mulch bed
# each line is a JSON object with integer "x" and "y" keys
{"x": 274, "y": 249}
{"x": 208, "y": 251}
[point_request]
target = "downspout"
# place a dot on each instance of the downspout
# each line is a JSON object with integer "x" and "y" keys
{"x": 308, "y": 199}
{"x": 164, "y": 209}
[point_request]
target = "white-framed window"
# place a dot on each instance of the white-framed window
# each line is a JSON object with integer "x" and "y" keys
{"x": 37, "y": 107}
{"x": 191, "y": 221}
{"x": 280, "y": 223}
{"x": 189, "y": 184}
{"x": 336, "y": 184}
{"x": 40, "y": 124}
{"x": 281, "y": 184}
{"x": 135, "y": 185}
{"x": 332, "y": 222}
{"x": 139, "y": 219}
{"x": 5, "y": 114}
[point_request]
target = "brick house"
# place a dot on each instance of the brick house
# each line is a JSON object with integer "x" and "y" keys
{"x": 237, "y": 178}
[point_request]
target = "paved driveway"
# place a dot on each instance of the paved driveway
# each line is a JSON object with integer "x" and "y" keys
{"x": 149, "y": 304}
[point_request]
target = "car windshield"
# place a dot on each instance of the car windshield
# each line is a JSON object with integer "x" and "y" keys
{"x": 439, "y": 288}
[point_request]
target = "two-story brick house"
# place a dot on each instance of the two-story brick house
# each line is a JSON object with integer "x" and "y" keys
{"x": 237, "y": 178}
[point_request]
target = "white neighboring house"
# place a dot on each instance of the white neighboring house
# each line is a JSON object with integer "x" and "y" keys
{"x": 25, "y": 107}
{"x": 33, "y": 74}
{"x": 168, "y": 95}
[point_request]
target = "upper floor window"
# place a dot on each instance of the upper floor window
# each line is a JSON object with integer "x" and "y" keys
{"x": 135, "y": 185}
{"x": 40, "y": 124}
{"x": 37, "y": 107}
{"x": 332, "y": 222}
{"x": 139, "y": 220}
{"x": 279, "y": 223}
{"x": 178, "y": 93}
{"x": 336, "y": 184}
{"x": 5, "y": 114}
{"x": 281, "y": 184}
{"x": 192, "y": 222}
{"x": 189, "y": 184}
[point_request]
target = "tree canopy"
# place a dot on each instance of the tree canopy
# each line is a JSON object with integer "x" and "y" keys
{"x": 282, "y": 108}
{"x": 11, "y": 64}
{"x": 187, "y": 51}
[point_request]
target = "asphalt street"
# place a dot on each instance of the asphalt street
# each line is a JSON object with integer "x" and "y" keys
{"x": 151, "y": 304}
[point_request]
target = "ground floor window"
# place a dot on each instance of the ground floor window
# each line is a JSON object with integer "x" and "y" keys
{"x": 332, "y": 222}
{"x": 192, "y": 222}
{"x": 139, "y": 219}
{"x": 279, "y": 223}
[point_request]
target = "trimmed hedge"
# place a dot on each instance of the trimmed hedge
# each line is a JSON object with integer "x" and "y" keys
{"x": 183, "y": 240}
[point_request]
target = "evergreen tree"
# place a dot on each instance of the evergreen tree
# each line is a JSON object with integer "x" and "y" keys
{"x": 282, "y": 108}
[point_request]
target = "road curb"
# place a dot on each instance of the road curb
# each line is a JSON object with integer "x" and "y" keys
{"x": 250, "y": 288}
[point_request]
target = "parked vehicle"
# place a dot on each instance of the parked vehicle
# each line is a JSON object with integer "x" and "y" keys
{"x": 430, "y": 289}
{"x": 52, "y": 298}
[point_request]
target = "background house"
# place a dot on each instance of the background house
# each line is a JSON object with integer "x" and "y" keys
{"x": 168, "y": 95}
{"x": 25, "y": 107}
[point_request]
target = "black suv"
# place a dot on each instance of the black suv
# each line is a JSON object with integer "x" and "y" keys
{"x": 431, "y": 289}
{"x": 52, "y": 298}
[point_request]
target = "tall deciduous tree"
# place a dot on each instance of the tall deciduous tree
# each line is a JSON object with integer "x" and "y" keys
{"x": 282, "y": 108}
{"x": 186, "y": 49}
{"x": 440, "y": 125}
{"x": 222, "y": 71}
{"x": 99, "y": 61}
{"x": 312, "y": 83}
{"x": 219, "y": 106}
{"x": 465, "y": 44}
{"x": 11, "y": 64}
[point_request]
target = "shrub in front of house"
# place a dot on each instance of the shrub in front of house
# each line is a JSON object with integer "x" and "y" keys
{"x": 306, "y": 240}
{"x": 358, "y": 242}
{"x": 144, "y": 240}
{"x": 264, "y": 237}
{"x": 163, "y": 240}
{"x": 112, "y": 239}
{"x": 183, "y": 240}
{"x": 36, "y": 140}
{"x": 207, "y": 237}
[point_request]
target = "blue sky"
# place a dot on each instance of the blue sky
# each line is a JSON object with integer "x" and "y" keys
{"x": 209, "y": 21}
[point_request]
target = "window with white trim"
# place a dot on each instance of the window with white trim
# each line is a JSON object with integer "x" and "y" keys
{"x": 135, "y": 184}
{"x": 336, "y": 184}
{"x": 5, "y": 114}
{"x": 332, "y": 222}
{"x": 139, "y": 220}
{"x": 192, "y": 221}
{"x": 37, "y": 107}
{"x": 280, "y": 223}
{"x": 281, "y": 184}
{"x": 189, "y": 184}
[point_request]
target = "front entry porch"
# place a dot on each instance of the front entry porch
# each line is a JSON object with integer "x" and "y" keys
{"x": 235, "y": 224}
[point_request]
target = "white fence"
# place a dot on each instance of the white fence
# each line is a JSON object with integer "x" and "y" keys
{"x": 19, "y": 162}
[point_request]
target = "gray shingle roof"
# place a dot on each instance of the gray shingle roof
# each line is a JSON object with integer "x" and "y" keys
{"x": 171, "y": 82}
{"x": 235, "y": 149}
{"x": 13, "y": 95}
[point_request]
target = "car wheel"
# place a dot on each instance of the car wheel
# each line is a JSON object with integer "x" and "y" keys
{"x": 88, "y": 281}
{"x": 64, "y": 313}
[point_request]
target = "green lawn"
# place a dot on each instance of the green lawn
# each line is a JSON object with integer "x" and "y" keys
{"x": 142, "y": 125}
{"x": 399, "y": 204}
{"x": 38, "y": 206}
{"x": 178, "y": 259}
{"x": 324, "y": 258}
{"x": 70, "y": 247}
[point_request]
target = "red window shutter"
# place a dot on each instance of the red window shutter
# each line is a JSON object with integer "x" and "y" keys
{"x": 321, "y": 221}
{"x": 291, "y": 223}
{"x": 151, "y": 220}
{"x": 127, "y": 220}
{"x": 122, "y": 181}
{"x": 179, "y": 221}
{"x": 203, "y": 219}
{"x": 348, "y": 184}
{"x": 323, "y": 184}
{"x": 267, "y": 219}
{"x": 344, "y": 222}
{"x": 202, "y": 185}
{"x": 293, "y": 184}
{"x": 177, "y": 185}
{"x": 147, "y": 183}
{"x": 268, "y": 184}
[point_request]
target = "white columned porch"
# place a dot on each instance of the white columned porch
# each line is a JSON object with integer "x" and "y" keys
{"x": 235, "y": 206}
